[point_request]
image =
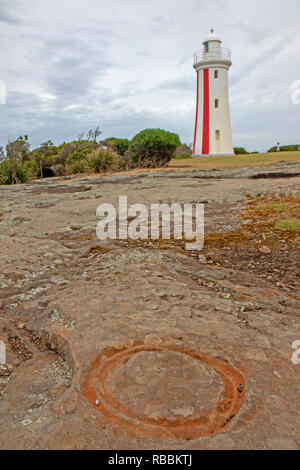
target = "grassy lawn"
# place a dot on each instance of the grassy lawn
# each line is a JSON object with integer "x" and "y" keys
{"x": 260, "y": 159}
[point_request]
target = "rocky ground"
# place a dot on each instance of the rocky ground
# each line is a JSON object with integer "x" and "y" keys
{"x": 141, "y": 344}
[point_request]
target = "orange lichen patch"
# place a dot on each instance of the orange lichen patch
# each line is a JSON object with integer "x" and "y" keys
{"x": 215, "y": 240}
{"x": 197, "y": 425}
{"x": 263, "y": 216}
{"x": 271, "y": 208}
{"x": 99, "y": 249}
{"x": 220, "y": 240}
{"x": 169, "y": 244}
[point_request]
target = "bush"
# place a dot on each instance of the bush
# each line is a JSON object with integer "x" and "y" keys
{"x": 65, "y": 151}
{"x": 153, "y": 148}
{"x": 58, "y": 169}
{"x": 75, "y": 167}
{"x": 83, "y": 149}
{"x": 285, "y": 148}
{"x": 118, "y": 145}
{"x": 100, "y": 160}
{"x": 240, "y": 151}
{"x": 13, "y": 171}
{"x": 74, "y": 151}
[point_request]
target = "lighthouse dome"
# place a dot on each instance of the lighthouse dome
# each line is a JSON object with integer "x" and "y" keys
{"x": 212, "y": 37}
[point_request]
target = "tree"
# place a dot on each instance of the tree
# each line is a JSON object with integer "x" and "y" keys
{"x": 44, "y": 156}
{"x": 93, "y": 134}
{"x": 19, "y": 149}
{"x": 153, "y": 147}
{"x": 2, "y": 155}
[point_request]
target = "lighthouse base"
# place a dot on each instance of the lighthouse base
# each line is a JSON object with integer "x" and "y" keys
{"x": 215, "y": 155}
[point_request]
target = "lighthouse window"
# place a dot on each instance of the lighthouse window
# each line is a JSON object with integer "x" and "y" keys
{"x": 218, "y": 135}
{"x": 216, "y": 103}
{"x": 206, "y": 46}
{"x": 216, "y": 74}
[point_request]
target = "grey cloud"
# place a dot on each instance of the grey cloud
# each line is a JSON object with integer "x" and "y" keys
{"x": 181, "y": 84}
{"x": 129, "y": 66}
{"x": 6, "y": 14}
{"x": 162, "y": 21}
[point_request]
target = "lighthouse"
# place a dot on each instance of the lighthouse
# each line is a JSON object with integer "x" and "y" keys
{"x": 213, "y": 136}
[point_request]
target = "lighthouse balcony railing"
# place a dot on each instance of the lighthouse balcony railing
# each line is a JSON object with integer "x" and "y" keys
{"x": 220, "y": 54}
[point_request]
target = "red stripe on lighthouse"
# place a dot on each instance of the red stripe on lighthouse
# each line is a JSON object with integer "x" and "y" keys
{"x": 197, "y": 108}
{"x": 205, "y": 136}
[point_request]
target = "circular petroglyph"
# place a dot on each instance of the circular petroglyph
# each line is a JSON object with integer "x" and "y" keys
{"x": 164, "y": 384}
{"x": 162, "y": 391}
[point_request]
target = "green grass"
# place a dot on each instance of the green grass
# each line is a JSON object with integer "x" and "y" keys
{"x": 274, "y": 207}
{"x": 240, "y": 161}
{"x": 288, "y": 225}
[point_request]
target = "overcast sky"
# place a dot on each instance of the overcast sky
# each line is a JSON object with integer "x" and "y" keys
{"x": 127, "y": 65}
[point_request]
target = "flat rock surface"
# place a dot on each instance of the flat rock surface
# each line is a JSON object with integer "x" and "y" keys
{"x": 133, "y": 345}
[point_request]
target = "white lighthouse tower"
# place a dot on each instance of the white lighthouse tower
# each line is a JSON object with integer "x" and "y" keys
{"x": 213, "y": 135}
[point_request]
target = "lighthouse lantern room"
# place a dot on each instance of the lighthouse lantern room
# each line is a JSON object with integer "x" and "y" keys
{"x": 213, "y": 135}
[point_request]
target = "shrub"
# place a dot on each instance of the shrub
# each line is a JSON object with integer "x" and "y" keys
{"x": 13, "y": 171}
{"x": 79, "y": 155}
{"x": 58, "y": 169}
{"x": 153, "y": 147}
{"x": 118, "y": 145}
{"x": 65, "y": 151}
{"x": 240, "y": 151}
{"x": 100, "y": 160}
{"x": 75, "y": 150}
{"x": 75, "y": 167}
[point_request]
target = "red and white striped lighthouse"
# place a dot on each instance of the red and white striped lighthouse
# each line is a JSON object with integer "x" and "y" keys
{"x": 213, "y": 135}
